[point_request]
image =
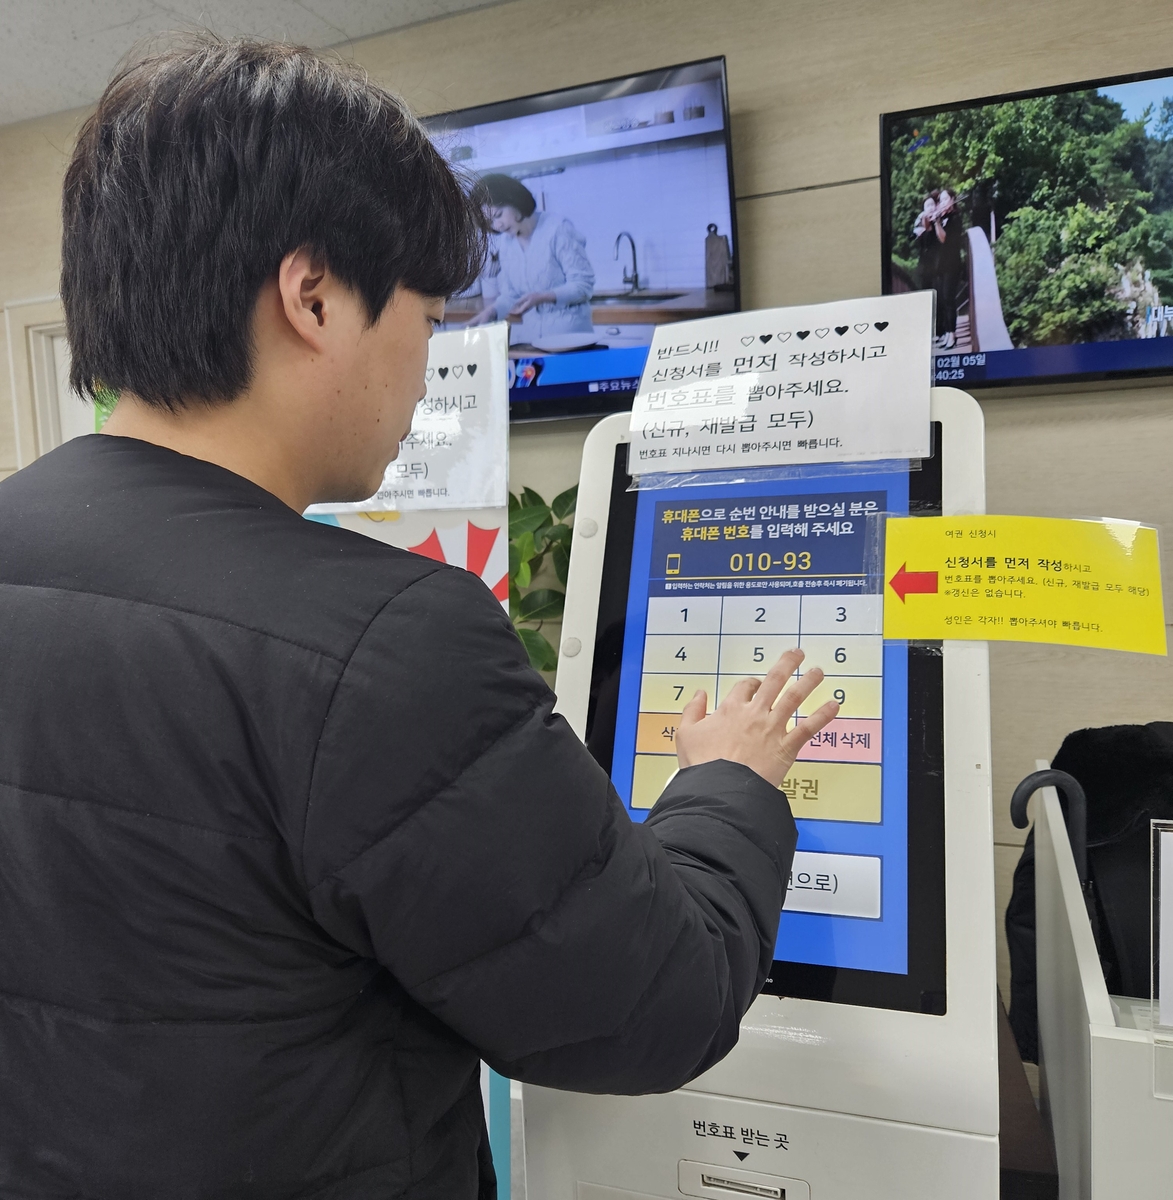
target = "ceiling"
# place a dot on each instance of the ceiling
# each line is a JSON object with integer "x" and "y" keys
{"x": 58, "y": 54}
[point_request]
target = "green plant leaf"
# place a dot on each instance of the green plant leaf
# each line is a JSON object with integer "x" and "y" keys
{"x": 530, "y": 499}
{"x": 561, "y": 556}
{"x": 526, "y": 549}
{"x": 542, "y": 537}
{"x": 514, "y": 560}
{"x": 514, "y": 502}
{"x": 527, "y": 519}
{"x": 545, "y": 604}
{"x": 524, "y": 576}
{"x": 558, "y": 533}
{"x": 552, "y": 537}
{"x": 563, "y": 504}
{"x": 542, "y": 656}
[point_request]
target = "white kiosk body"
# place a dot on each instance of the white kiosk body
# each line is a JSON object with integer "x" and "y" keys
{"x": 821, "y": 1100}
{"x": 1107, "y": 1084}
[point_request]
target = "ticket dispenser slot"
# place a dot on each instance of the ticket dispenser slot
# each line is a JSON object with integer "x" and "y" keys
{"x": 726, "y": 1183}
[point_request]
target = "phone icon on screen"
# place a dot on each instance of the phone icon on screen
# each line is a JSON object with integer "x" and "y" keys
{"x": 673, "y": 567}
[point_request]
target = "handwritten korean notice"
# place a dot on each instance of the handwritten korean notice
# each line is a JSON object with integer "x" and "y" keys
{"x": 847, "y": 381}
{"x": 1024, "y": 579}
{"x": 457, "y": 454}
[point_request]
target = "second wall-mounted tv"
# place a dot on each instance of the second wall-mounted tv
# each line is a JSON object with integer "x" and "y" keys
{"x": 612, "y": 209}
{"x": 1044, "y": 221}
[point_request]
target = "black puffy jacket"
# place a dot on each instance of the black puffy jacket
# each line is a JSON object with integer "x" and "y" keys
{"x": 289, "y": 839}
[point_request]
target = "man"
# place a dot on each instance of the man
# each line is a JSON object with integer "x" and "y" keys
{"x": 289, "y": 838}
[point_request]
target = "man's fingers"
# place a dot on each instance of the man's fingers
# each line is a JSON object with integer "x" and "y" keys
{"x": 743, "y": 691}
{"x": 694, "y": 710}
{"x": 796, "y": 692}
{"x": 778, "y": 676}
{"x": 806, "y": 729}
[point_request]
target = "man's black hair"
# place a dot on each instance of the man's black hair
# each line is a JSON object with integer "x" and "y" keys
{"x": 500, "y": 190}
{"x": 201, "y": 168}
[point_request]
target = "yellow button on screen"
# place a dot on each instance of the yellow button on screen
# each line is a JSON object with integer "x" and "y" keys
{"x": 749, "y": 655}
{"x": 848, "y": 654}
{"x": 668, "y": 652}
{"x": 652, "y": 772}
{"x": 858, "y": 696}
{"x": 824, "y": 791}
{"x": 670, "y": 693}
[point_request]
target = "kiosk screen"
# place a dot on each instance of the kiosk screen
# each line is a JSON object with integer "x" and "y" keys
{"x": 706, "y": 585}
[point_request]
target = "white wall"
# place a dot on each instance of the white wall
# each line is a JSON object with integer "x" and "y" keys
{"x": 665, "y": 197}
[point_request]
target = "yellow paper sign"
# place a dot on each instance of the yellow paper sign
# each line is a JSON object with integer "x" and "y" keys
{"x": 1024, "y": 579}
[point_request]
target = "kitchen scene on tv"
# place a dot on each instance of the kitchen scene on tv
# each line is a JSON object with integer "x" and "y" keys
{"x": 611, "y": 213}
{"x": 1045, "y": 225}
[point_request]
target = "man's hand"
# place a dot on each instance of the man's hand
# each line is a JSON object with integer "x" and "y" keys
{"x": 749, "y": 726}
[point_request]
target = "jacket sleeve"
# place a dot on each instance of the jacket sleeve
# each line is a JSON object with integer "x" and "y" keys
{"x": 460, "y": 833}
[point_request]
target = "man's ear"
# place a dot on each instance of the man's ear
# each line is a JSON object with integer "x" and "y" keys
{"x": 307, "y": 295}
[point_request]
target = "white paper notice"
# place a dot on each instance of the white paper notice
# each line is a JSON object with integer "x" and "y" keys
{"x": 1165, "y": 945}
{"x": 457, "y": 454}
{"x": 846, "y": 381}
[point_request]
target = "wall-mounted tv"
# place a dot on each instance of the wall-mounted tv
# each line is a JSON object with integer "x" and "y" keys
{"x": 612, "y": 210}
{"x": 1044, "y": 221}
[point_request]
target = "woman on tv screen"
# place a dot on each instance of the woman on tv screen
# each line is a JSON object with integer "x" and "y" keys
{"x": 545, "y": 276}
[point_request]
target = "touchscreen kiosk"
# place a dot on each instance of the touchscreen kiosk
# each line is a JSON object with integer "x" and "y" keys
{"x": 868, "y": 1066}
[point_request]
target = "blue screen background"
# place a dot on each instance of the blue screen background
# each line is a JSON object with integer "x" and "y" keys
{"x": 814, "y": 938}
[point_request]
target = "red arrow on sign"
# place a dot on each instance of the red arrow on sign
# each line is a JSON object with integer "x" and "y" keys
{"x": 904, "y": 582}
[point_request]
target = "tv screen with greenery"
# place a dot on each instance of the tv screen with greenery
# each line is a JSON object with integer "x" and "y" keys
{"x": 1044, "y": 222}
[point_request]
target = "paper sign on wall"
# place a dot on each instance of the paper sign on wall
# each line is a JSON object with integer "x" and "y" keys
{"x": 457, "y": 454}
{"x": 847, "y": 381}
{"x": 1024, "y": 579}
